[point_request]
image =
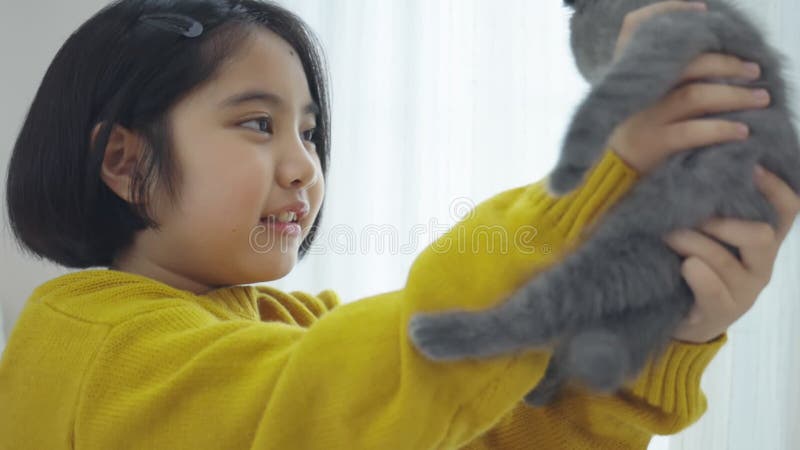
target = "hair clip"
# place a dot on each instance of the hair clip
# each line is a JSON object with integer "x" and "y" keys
{"x": 177, "y": 23}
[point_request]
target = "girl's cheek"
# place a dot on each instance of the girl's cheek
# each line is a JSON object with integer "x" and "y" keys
{"x": 229, "y": 199}
{"x": 243, "y": 200}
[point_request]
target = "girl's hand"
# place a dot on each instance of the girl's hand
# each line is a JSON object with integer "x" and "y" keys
{"x": 725, "y": 288}
{"x": 676, "y": 122}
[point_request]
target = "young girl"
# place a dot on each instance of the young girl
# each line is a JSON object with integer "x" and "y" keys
{"x": 183, "y": 147}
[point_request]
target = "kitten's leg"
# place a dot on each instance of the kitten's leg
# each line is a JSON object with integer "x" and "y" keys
{"x": 651, "y": 65}
{"x": 554, "y": 379}
{"x": 455, "y": 335}
{"x": 605, "y": 356}
{"x": 603, "y": 277}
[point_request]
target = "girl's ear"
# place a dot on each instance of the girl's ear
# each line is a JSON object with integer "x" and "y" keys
{"x": 122, "y": 154}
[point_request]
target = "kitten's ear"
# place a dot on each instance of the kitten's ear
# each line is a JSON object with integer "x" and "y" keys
{"x": 570, "y": 3}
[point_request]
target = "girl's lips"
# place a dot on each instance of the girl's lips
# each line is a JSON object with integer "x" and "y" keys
{"x": 300, "y": 210}
{"x": 291, "y": 228}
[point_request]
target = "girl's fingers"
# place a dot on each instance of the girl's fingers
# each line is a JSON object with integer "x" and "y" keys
{"x": 756, "y": 241}
{"x": 666, "y": 6}
{"x": 690, "y": 243}
{"x": 712, "y": 295}
{"x": 638, "y": 16}
{"x": 719, "y": 65}
{"x": 692, "y": 134}
{"x": 700, "y": 99}
{"x": 783, "y": 198}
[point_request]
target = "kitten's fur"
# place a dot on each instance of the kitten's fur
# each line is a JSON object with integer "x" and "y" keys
{"x": 618, "y": 297}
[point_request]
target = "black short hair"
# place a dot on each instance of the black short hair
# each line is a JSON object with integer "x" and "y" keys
{"x": 117, "y": 69}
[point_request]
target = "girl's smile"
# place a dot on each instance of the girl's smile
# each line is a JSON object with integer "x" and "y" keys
{"x": 287, "y": 219}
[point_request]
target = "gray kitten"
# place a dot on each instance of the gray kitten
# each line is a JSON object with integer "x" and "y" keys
{"x": 614, "y": 302}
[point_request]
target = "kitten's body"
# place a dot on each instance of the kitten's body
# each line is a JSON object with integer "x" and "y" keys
{"x": 616, "y": 299}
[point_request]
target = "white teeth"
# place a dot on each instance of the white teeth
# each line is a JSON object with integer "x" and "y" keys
{"x": 286, "y": 216}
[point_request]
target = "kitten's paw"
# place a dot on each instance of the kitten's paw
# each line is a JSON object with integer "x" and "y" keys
{"x": 550, "y": 384}
{"x": 452, "y": 335}
{"x": 541, "y": 395}
{"x": 564, "y": 179}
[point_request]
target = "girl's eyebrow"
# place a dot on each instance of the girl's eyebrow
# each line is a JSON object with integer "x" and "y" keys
{"x": 265, "y": 97}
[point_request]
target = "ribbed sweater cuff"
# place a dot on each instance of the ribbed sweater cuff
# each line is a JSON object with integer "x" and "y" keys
{"x": 672, "y": 382}
{"x": 576, "y": 212}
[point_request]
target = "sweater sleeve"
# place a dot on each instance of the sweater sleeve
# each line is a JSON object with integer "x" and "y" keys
{"x": 664, "y": 399}
{"x": 177, "y": 377}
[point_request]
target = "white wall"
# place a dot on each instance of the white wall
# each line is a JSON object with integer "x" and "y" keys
{"x": 30, "y": 35}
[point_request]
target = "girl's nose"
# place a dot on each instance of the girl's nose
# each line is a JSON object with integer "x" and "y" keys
{"x": 297, "y": 168}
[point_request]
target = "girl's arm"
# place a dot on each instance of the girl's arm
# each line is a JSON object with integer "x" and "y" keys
{"x": 665, "y": 399}
{"x": 178, "y": 377}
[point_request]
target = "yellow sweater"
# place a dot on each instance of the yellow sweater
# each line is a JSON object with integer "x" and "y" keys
{"x": 101, "y": 359}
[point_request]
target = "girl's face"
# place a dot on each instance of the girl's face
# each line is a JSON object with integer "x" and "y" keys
{"x": 242, "y": 143}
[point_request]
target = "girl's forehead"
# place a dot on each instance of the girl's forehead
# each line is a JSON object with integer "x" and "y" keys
{"x": 264, "y": 53}
{"x": 266, "y": 62}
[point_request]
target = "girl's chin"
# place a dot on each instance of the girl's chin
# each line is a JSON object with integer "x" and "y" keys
{"x": 265, "y": 270}
{"x": 279, "y": 261}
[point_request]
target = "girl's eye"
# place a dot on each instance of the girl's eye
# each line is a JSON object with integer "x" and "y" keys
{"x": 263, "y": 124}
{"x": 309, "y": 134}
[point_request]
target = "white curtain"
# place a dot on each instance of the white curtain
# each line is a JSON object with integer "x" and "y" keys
{"x": 438, "y": 104}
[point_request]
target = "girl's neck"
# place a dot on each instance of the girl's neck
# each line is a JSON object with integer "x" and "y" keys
{"x": 132, "y": 263}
